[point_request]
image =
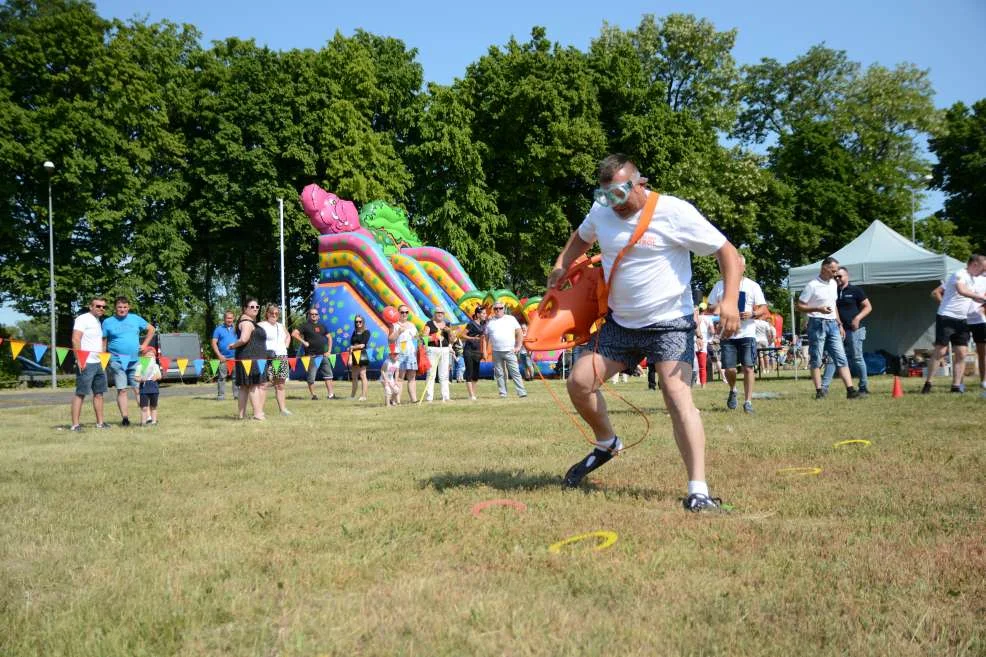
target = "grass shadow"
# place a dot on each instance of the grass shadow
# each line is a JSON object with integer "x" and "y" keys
{"x": 499, "y": 479}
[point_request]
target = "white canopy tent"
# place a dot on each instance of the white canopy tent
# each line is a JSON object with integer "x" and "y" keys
{"x": 898, "y": 277}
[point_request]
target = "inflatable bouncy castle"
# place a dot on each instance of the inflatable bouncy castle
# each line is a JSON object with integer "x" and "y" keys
{"x": 371, "y": 259}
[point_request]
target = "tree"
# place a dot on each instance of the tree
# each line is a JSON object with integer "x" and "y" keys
{"x": 961, "y": 170}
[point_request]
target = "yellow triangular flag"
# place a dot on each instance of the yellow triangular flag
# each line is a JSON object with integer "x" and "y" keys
{"x": 305, "y": 360}
{"x": 247, "y": 366}
{"x": 104, "y": 359}
{"x": 16, "y": 346}
{"x": 182, "y": 364}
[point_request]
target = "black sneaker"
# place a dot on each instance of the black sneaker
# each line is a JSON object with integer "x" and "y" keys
{"x": 314, "y": 397}
{"x": 821, "y": 393}
{"x": 863, "y": 392}
{"x": 596, "y": 458}
{"x": 852, "y": 393}
{"x": 959, "y": 389}
{"x": 125, "y": 422}
{"x": 697, "y": 503}
{"x": 927, "y": 388}
{"x": 731, "y": 400}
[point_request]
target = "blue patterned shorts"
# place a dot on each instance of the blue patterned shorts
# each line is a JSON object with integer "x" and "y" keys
{"x": 673, "y": 340}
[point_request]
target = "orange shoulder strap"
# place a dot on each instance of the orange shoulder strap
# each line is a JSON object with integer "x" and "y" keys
{"x": 645, "y": 217}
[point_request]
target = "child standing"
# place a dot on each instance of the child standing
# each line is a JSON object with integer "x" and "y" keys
{"x": 389, "y": 372}
{"x": 149, "y": 388}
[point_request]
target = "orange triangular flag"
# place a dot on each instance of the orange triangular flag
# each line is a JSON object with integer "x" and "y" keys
{"x": 104, "y": 359}
{"x": 165, "y": 363}
{"x": 345, "y": 358}
{"x": 182, "y": 364}
{"x": 16, "y": 346}
{"x": 230, "y": 366}
{"x": 247, "y": 365}
{"x": 292, "y": 363}
{"x": 305, "y": 360}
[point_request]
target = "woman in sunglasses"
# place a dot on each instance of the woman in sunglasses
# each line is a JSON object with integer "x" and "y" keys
{"x": 250, "y": 346}
{"x": 404, "y": 339}
{"x": 357, "y": 355}
{"x": 438, "y": 337}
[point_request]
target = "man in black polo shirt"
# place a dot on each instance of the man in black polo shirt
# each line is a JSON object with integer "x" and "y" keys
{"x": 317, "y": 342}
{"x": 853, "y": 306}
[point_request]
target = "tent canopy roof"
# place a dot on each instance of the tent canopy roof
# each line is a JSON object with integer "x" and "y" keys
{"x": 881, "y": 255}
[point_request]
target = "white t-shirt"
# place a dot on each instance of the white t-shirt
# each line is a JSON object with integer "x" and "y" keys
{"x": 502, "y": 332}
{"x": 276, "y": 334}
{"x": 975, "y": 314}
{"x": 92, "y": 335}
{"x": 754, "y": 297}
{"x": 652, "y": 284}
{"x": 953, "y": 304}
{"x": 764, "y": 332}
{"x": 819, "y": 293}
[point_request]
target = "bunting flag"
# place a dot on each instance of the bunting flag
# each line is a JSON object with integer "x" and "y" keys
{"x": 104, "y": 359}
{"x": 142, "y": 364}
{"x": 261, "y": 365}
{"x": 165, "y": 364}
{"x": 345, "y": 359}
{"x": 305, "y": 360}
{"x": 357, "y": 357}
{"x": 81, "y": 358}
{"x": 230, "y": 366}
{"x": 16, "y": 346}
{"x": 292, "y": 362}
{"x": 332, "y": 360}
{"x": 39, "y": 352}
{"x": 214, "y": 366}
{"x": 61, "y": 353}
{"x": 182, "y": 365}
{"x": 247, "y": 366}
{"x": 197, "y": 366}
{"x": 317, "y": 361}
{"x": 380, "y": 351}
{"x": 276, "y": 364}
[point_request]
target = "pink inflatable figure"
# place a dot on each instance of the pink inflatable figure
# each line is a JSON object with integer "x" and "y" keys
{"x": 328, "y": 213}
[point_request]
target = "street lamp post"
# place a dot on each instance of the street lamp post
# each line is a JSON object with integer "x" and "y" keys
{"x": 924, "y": 180}
{"x": 49, "y": 167}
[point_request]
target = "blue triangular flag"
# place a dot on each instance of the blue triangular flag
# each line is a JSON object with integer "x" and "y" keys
{"x": 197, "y": 364}
{"x": 318, "y": 361}
{"x": 39, "y": 351}
{"x": 261, "y": 365}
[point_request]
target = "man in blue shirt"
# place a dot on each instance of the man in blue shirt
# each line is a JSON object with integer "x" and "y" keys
{"x": 121, "y": 338}
{"x": 222, "y": 337}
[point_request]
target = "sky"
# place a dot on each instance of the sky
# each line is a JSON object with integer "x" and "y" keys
{"x": 944, "y": 37}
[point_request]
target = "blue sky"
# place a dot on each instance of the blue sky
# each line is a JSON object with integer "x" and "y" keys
{"x": 944, "y": 37}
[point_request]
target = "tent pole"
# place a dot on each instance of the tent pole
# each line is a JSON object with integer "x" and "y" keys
{"x": 794, "y": 331}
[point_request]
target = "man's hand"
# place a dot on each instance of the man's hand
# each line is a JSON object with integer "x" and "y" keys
{"x": 854, "y": 324}
{"x": 729, "y": 320}
{"x": 556, "y": 275}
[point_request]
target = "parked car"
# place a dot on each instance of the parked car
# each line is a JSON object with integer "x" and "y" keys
{"x": 179, "y": 345}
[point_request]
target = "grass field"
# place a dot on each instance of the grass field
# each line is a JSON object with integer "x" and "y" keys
{"x": 346, "y": 529}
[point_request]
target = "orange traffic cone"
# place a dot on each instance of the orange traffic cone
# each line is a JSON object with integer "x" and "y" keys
{"x": 898, "y": 391}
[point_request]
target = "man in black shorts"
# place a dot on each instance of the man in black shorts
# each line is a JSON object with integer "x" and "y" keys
{"x": 317, "y": 343}
{"x": 472, "y": 348}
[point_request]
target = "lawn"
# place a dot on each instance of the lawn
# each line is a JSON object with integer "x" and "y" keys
{"x": 348, "y": 529}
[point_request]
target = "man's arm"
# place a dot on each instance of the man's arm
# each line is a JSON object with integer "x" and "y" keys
{"x": 77, "y": 341}
{"x": 296, "y": 334}
{"x": 575, "y": 247}
{"x": 215, "y": 349}
{"x": 938, "y": 293}
{"x": 865, "y": 308}
{"x": 729, "y": 266}
{"x": 518, "y": 340}
{"x": 967, "y": 291}
{"x": 147, "y": 338}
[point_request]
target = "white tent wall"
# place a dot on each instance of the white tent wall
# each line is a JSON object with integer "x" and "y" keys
{"x": 898, "y": 277}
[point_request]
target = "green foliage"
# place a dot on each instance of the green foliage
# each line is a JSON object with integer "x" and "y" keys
{"x": 943, "y": 236}
{"x": 961, "y": 170}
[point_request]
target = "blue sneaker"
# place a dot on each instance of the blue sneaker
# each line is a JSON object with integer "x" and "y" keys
{"x": 731, "y": 400}
{"x": 596, "y": 458}
{"x": 748, "y": 407}
{"x": 698, "y": 503}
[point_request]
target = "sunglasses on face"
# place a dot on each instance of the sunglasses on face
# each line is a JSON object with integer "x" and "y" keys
{"x": 497, "y": 307}
{"x": 99, "y": 305}
{"x": 404, "y": 312}
{"x": 359, "y": 321}
{"x": 253, "y": 307}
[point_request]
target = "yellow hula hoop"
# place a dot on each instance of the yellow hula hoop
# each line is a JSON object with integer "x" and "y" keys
{"x": 800, "y": 471}
{"x": 609, "y": 538}
{"x": 844, "y": 443}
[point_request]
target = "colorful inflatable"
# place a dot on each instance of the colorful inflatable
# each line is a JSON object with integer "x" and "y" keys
{"x": 372, "y": 260}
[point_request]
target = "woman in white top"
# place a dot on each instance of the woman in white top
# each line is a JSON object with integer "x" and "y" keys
{"x": 404, "y": 338}
{"x": 278, "y": 339}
